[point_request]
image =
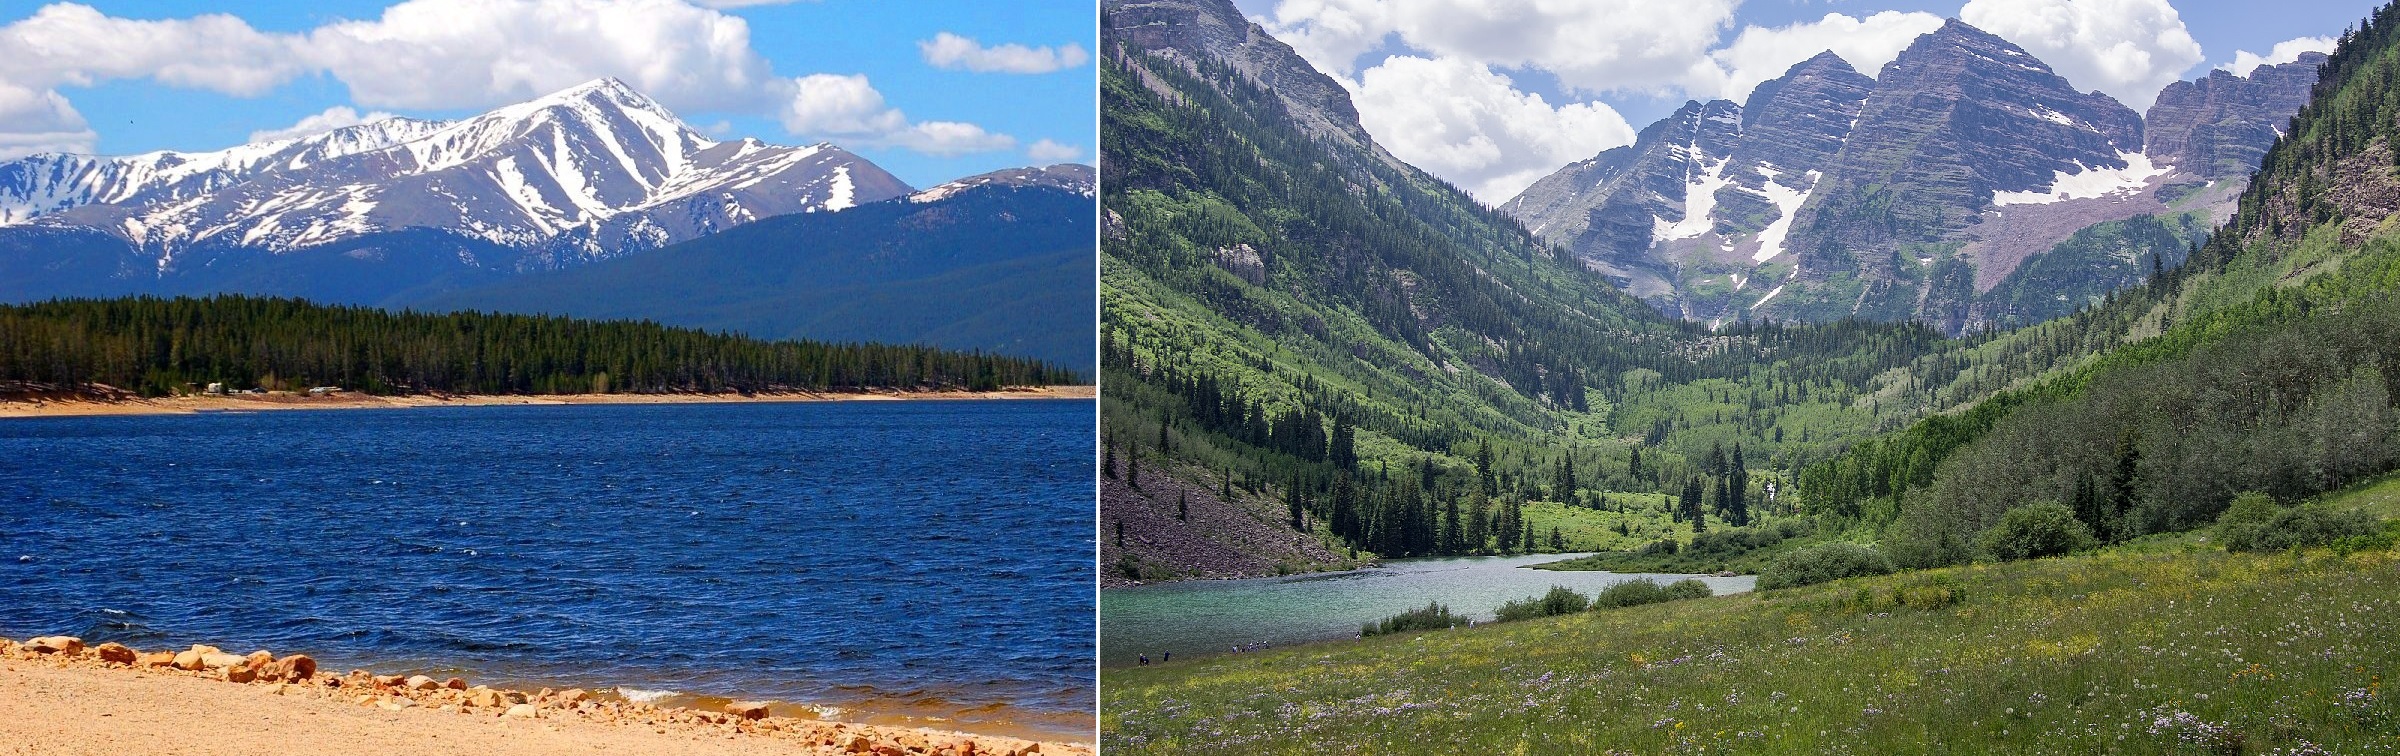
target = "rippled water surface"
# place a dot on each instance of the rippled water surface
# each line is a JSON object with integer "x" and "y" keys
{"x": 904, "y": 561}
{"x": 1212, "y": 616}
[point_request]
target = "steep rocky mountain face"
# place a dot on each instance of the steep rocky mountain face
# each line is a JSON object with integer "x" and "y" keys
{"x": 1704, "y": 189}
{"x": 1912, "y": 195}
{"x": 2219, "y": 126}
{"x": 585, "y": 173}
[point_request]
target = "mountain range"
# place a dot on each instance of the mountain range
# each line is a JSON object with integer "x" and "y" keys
{"x": 1920, "y": 193}
{"x": 413, "y": 213}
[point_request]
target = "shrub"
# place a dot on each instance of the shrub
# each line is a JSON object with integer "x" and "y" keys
{"x": 1560, "y": 600}
{"x": 2039, "y": 530}
{"x": 1688, "y": 588}
{"x": 1822, "y": 563}
{"x": 1434, "y": 616}
{"x": 2310, "y": 526}
{"x": 2239, "y": 527}
{"x": 1646, "y": 591}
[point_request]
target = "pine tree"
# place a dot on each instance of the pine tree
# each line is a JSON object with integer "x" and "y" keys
{"x": 1737, "y": 487}
{"x": 1483, "y": 468}
{"x": 1183, "y": 507}
{"x": 1453, "y": 539}
{"x": 1108, "y": 460}
{"x": 1133, "y": 466}
{"x": 1295, "y": 501}
{"x": 1479, "y": 525}
{"x": 1557, "y": 542}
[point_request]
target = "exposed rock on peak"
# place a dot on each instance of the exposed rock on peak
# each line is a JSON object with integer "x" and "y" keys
{"x": 2220, "y": 126}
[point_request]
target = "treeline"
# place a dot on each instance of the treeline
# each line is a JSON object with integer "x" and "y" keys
{"x": 166, "y": 346}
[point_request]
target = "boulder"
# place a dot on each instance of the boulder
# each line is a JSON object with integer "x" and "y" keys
{"x": 485, "y": 698}
{"x": 189, "y": 660}
{"x": 117, "y": 653}
{"x": 258, "y": 659}
{"x": 220, "y": 660}
{"x": 573, "y": 696}
{"x": 295, "y": 667}
{"x": 520, "y": 711}
{"x": 455, "y": 683}
{"x": 747, "y": 709}
{"x": 55, "y": 644}
{"x": 856, "y": 743}
{"x": 386, "y": 681}
{"x": 421, "y": 682}
{"x": 158, "y": 659}
{"x": 238, "y": 673}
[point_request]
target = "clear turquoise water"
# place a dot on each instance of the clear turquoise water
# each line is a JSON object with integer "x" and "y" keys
{"x": 1213, "y": 616}
{"x": 913, "y": 559}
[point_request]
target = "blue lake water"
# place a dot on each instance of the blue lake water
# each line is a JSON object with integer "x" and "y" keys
{"x": 1204, "y": 617}
{"x": 918, "y": 562}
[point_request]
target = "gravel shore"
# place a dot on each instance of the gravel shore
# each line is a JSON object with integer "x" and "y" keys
{"x": 68, "y": 698}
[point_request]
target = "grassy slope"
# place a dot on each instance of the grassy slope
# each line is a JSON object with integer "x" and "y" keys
{"x": 2139, "y": 649}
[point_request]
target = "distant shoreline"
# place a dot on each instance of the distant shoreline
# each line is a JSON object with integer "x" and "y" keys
{"x": 47, "y": 406}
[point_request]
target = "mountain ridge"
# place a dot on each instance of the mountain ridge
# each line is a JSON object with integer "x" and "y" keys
{"x": 1963, "y": 158}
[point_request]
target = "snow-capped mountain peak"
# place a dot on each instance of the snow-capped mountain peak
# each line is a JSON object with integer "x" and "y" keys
{"x": 589, "y": 171}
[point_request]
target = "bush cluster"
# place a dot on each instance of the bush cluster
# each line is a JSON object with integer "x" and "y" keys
{"x": 1560, "y": 600}
{"x": 1823, "y": 562}
{"x": 2047, "y": 529}
{"x": 2256, "y": 523}
{"x": 1434, "y": 616}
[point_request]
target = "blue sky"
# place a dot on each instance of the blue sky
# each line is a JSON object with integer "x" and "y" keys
{"x": 1004, "y": 84}
{"x": 1520, "y": 87}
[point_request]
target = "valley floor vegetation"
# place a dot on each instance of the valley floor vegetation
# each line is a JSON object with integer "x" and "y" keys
{"x": 2168, "y": 644}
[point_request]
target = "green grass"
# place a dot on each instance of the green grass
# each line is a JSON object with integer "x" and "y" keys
{"x": 2166, "y": 647}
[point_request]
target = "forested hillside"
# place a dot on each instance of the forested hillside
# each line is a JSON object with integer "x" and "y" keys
{"x": 2265, "y": 363}
{"x": 166, "y": 346}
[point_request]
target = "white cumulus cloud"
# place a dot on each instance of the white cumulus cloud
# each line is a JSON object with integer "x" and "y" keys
{"x": 456, "y": 54}
{"x": 39, "y": 120}
{"x": 1761, "y": 53}
{"x": 2245, "y": 61}
{"x": 947, "y": 50}
{"x": 1046, "y": 151}
{"x": 1590, "y": 45}
{"x": 2128, "y": 49}
{"x": 840, "y": 107}
{"x": 1459, "y": 120}
{"x": 336, "y": 117}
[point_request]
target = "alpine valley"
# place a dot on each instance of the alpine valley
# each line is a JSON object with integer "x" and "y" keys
{"x": 2044, "y": 426}
{"x": 593, "y": 201}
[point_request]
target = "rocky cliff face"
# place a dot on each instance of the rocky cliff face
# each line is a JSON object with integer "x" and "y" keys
{"x": 1199, "y": 30}
{"x": 2220, "y": 126}
{"x": 1616, "y": 208}
{"x": 1906, "y": 196}
{"x": 1679, "y": 217}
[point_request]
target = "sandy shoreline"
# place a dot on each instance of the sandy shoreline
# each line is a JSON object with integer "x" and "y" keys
{"x": 112, "y": 700}
{"x": 35, "y": 406}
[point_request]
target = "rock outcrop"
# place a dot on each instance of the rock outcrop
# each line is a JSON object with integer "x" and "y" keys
{"x": 2220, "y": 126}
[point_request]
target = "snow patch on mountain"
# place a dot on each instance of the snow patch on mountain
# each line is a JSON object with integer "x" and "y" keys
{"x": 2087, "y": 182}
{"x": 1699, "y": 202}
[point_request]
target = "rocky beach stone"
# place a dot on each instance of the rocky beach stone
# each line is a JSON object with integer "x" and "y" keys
{"x": 747, "y": 709}
{"x": 455, "y": 683}
{"x": 157, "y": 659}
{"x": 115, "y": 653}
{"x": 220, "y": 660}
{"x": 55, "y": 644}
{"x": 520, "y": 711}
{"x": 421, "y": 682}
{"x": 239, "y": 673}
